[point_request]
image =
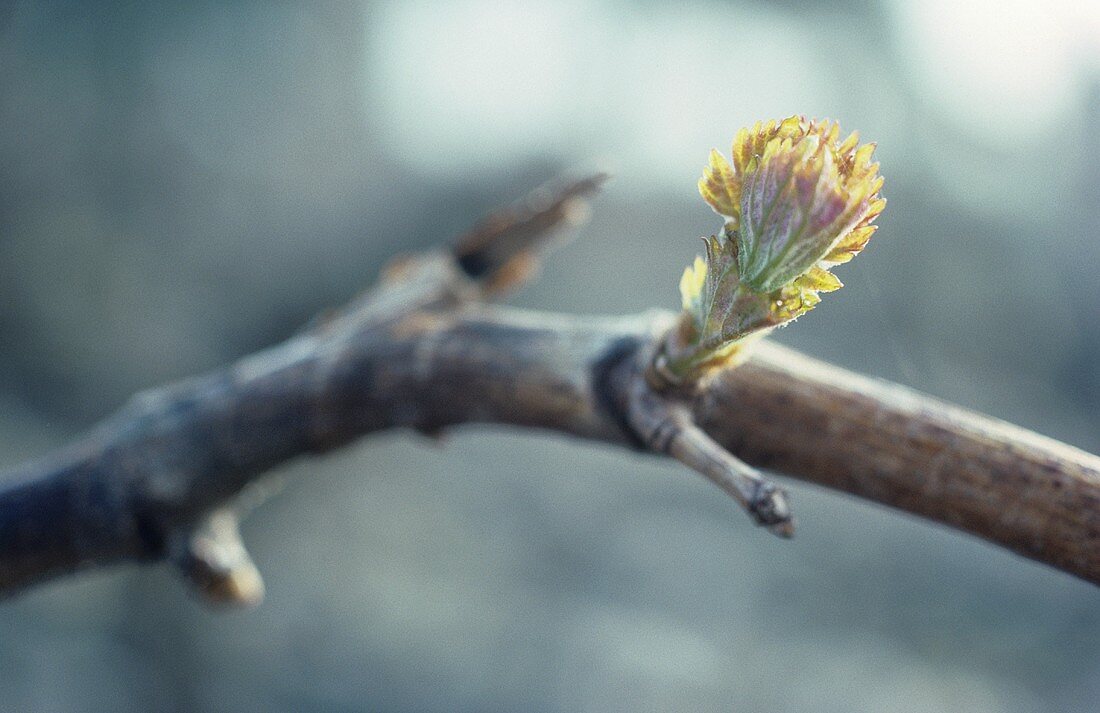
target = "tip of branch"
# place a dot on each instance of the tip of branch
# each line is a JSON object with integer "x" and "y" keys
{"x": 769, "y": 507}
{"x": 500, "y": 251}
{"x": 214, "y": 561}
{"x": 665, "y": 425}
{"x": 238, "y": 586}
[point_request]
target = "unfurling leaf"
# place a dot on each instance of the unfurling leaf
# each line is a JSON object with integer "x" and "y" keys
{"x": 796, "y": 201}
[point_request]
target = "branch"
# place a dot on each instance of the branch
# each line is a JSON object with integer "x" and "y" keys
{"x": 160, "y": 480}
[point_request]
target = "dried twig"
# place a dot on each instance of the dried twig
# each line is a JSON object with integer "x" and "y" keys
{"x": 159, "y": 480}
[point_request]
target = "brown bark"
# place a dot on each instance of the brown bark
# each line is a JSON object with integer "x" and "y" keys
{"x": 423, "y": 351}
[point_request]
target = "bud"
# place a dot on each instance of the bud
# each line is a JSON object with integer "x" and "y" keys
{"x": 796, "y": 201}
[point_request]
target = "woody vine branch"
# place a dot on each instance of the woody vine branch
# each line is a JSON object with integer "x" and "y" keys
{"x": 428, "y": 349}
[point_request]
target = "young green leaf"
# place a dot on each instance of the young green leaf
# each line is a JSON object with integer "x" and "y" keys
{"x": 795, "y": 201}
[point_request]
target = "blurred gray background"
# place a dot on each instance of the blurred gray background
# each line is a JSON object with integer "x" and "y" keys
{"x": 183, "y": 184}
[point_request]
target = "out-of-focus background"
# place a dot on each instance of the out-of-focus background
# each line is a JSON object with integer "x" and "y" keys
{"x": 183, "y": 184}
